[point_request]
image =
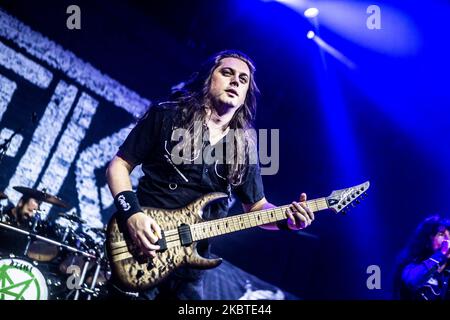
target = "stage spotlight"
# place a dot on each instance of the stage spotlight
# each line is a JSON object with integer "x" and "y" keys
{"x": 329, "y": 49}
{"x": 291, "y": 2}
{"x": 310, "y": 34}
{"x": 311, "y": 12}
{"x": 297, "y": 5}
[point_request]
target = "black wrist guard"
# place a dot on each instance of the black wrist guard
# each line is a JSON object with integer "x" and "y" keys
{"x": 127, "y": 204}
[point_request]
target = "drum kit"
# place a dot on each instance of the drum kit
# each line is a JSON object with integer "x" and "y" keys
{"x": 51, "y": 260}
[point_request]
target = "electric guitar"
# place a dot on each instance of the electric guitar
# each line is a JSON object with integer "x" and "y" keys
{"x": 182, "y": 228}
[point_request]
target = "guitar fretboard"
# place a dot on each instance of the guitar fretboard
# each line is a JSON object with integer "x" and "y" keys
{"x": 213, "y": 228}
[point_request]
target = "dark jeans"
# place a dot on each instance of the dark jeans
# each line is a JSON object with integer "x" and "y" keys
{"x": 176, "y": 287}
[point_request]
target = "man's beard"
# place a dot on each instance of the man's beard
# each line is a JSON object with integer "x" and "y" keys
{"x": 23, "y": 217}
{"x": 221, "y": 105}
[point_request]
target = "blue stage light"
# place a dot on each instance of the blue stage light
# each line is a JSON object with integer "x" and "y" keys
{"x": 311, "y": 12}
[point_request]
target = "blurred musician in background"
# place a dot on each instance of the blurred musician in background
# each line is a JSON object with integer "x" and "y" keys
{"x": 423, "y": 270}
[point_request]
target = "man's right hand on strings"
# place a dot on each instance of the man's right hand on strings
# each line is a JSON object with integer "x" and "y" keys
{"x": 145, "y": 232}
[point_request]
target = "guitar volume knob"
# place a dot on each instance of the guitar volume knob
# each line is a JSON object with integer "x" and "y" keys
{"x": 139, "y": 274}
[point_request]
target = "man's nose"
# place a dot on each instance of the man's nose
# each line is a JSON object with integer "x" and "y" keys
{"x": 234, "y": 81}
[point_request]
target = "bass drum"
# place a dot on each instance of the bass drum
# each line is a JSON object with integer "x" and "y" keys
{"x": 24, "y": 279}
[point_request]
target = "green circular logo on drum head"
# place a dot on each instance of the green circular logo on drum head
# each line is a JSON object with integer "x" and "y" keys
{"x": 21, "y": 280}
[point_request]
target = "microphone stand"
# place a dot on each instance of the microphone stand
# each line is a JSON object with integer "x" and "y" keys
{"x": 5, "y": 145}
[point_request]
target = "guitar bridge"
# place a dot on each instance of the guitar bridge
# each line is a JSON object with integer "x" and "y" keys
{"x": 184, "y": 231}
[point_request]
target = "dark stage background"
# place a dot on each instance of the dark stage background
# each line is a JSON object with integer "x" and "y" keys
{"x": 75, "y": 94}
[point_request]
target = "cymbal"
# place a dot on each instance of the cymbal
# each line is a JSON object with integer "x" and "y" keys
{"x": 3, "y": 196}
{"x": 43, "y": 196}
{"x": 71, "y": 217}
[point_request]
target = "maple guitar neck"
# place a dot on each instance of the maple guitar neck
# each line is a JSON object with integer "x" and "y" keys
{"x": 213, "y": 228}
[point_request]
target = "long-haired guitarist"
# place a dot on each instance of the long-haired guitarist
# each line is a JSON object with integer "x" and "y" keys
{"x": 423, "y": 272}
{"x": 200, "y": 141}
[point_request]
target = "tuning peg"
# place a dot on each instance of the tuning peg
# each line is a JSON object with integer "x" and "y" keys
{"x": 357, "y": 201}
{"x": 365, "y": 194}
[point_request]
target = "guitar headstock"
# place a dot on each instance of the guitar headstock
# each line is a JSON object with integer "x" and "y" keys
{"x": 340, "y": 200}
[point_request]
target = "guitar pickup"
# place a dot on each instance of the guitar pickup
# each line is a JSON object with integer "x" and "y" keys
{"x": 184, "y": 232}
{"x": 162, "y": 242}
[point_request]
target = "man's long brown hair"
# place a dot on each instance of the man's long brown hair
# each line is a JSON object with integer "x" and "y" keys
{"x": 192, "y": 99}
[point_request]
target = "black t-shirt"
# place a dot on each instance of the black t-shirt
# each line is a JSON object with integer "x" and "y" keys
{"x": 163, "y": 186}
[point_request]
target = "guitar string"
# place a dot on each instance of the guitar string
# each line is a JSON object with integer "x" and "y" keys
{"x": 172, "y": 235}
{"x": 233, "y": 219}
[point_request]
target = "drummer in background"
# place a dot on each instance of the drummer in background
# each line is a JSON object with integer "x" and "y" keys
{"x": 23, "y": 212}
{"x": 18, "y": 216}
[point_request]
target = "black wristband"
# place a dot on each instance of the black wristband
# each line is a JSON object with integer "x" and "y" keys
{"x": 127, "y": 204}
{"x": 283, "y": 225}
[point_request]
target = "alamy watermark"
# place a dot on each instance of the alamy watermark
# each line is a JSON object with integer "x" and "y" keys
{"x": 373, "y": 22}
{"x": 74, "y": 280}
{"x": 374, "y": 279}
{"x": 74, "y": 20}
{"x": 240, "y": 146}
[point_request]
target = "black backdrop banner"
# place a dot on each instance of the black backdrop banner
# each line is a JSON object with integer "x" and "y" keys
{"x": 67, "y": 118}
